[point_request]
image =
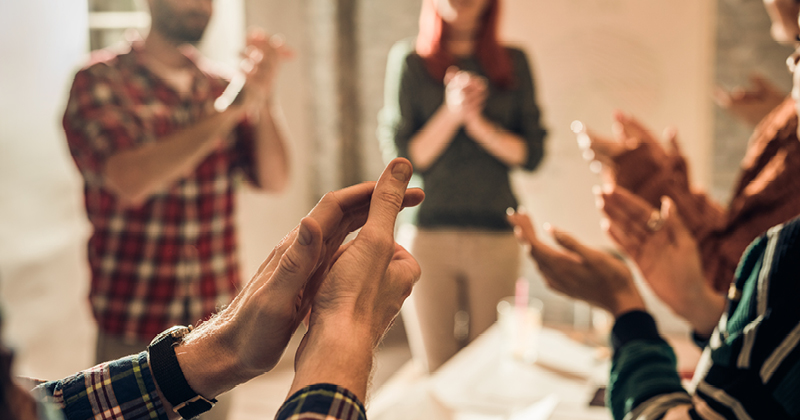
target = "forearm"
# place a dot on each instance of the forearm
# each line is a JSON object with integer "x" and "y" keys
{"x": 272, "y": 157}
{"x": 328, "y": 356}
{"x": 433, "y": 138}
{"x": 644, "y": 377}
{"x": 506, "y": 146}
{"x": 137, "y": 173}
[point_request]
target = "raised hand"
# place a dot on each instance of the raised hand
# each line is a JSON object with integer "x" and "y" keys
{"x": 248, "y": 337}
{"x": 361, "y": 294}
{"x": 750, "y": 104}
{"x": 465, "y": 94}
{"x": 633, "y": 155}
{"x": 579, "y": 271}
{"x": 261, "y": 62}
{"x": 666, "y": 253}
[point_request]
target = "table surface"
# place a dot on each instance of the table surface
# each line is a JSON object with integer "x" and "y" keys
{"x": 483, "y": 382}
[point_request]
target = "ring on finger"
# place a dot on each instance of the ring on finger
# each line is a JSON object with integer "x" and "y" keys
{"x": 655, "y": 222}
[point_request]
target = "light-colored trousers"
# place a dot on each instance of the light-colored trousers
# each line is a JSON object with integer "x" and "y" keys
{"x": 464, "y": 272}
{"x": 111, "y": 347}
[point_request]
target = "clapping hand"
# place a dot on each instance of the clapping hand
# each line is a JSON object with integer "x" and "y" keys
{"x": 666, "y": 253}
{"x": 249, "y": 336}
{"x": 753, "y": 103}
{"x": 261, "y": 62}
{"x": 629, "y": 134}
{"x": 465, "y": 94}
{"x": 579, "y": 271}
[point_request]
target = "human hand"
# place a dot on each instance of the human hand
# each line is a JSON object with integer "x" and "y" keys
{"x": 579, "y": 271}
{"x": 249, "y": 336}
{"x": 361, "y": 295}
{"x": 666, "y": 253}
{"x": 632, "y": 138}
{"x": 465, "y": 94}
{"x": 261, "y": 62}
{"x": 751, "y": 104}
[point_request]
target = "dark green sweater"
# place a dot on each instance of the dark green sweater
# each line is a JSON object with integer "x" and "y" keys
{"x": 754, "y": 353}
{"x": 465, "y": 187}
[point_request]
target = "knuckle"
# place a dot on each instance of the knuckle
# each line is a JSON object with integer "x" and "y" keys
{"x": 292, "y": 263}
{"x": 393, "y": 197}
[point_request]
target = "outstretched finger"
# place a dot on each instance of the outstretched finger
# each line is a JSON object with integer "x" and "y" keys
{"x": 627, "y": 210}
{"x": 299, "y": 261}
{"x": 673, "y": 223}
{"x": 387, "y": 199}
{"x": 523, "y": 227}
{"x": 630, "y": 243}
{"x": 569, "y": 243}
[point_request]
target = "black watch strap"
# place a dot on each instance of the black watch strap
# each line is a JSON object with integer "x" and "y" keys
{"x": 169, "y": 376}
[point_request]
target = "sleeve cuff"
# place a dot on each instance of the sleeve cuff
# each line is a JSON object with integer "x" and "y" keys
{"x": 634, "y": 325}
{"x": 329, "y": 400}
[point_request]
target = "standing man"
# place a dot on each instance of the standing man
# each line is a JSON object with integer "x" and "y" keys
{"x": 160, "y": 165}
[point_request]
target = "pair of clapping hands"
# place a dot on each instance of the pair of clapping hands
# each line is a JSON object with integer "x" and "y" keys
{"x": 655, "y": 239}
{"x": 465, "y": 94}
{"x": 349, "y": 294}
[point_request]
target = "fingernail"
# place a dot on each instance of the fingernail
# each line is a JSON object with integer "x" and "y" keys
{"x": 303, "y": 235}
{"x": 510, "y": 211}
{"x": 401, "y": 171}
{"x": 547, "y": 227}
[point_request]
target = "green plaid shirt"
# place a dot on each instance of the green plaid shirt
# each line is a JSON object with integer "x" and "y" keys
{"x": 124, "y": 390}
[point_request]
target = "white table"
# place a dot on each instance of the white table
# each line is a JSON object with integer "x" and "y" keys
{"x": 483, "y": 383}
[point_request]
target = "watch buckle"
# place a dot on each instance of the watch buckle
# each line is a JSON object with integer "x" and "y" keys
{"x": 195, "y": 399}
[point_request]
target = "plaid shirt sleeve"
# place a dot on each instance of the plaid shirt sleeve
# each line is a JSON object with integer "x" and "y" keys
{"x": 322, "y": 402}
{"x": 118, "y": 390}
{"x": 100, "y": 119}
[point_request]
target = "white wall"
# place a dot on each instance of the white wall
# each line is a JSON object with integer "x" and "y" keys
{"x": 43, "y": 229}
{"x": 590, "y": 57}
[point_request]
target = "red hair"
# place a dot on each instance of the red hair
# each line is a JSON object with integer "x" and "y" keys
{"x": 493, "y": 58}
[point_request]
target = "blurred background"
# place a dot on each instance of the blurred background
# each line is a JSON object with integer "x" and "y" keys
{"x": 659, "y": 60}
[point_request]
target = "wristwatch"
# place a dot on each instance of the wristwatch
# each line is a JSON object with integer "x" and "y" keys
{"x": 169, "y": 376}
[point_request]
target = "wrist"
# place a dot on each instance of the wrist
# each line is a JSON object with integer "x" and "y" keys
{"x": 703, "y": 310}
{"x": 450, "y": 116}
{"x": 339, "y": 351}
{"x": 210, "y": 367}
{"x": 627, "y": 302}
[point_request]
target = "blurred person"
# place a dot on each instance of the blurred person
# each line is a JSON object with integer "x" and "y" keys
{"x": 749, "y": 365}
{"x": 349, "y": 294}
{"x": 161, "y": 166}
{"x": 462, "y": 108}
{"x": 768, "y": 188}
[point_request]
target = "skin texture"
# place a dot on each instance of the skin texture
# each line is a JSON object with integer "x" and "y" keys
{"x": 578, "y": 271}
{"x": 667, "y": 257}
{"x": 350, "y": 293}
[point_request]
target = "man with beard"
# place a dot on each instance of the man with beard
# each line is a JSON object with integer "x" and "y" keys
{"x": 160, "y": 164}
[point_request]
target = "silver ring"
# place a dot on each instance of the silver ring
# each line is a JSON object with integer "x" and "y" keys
{"x": 655, "y": 222}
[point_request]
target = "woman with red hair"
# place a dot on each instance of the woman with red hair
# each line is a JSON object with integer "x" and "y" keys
{"x": 462, "y": 108}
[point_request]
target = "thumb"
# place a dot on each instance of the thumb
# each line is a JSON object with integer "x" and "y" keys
{"x": 570, "y": 243}
{"x": 450, "y": 73}
{"x": 299, "y": 261}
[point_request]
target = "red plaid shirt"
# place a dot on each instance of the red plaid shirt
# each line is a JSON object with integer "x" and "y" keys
{"x": 173, "y": 259}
